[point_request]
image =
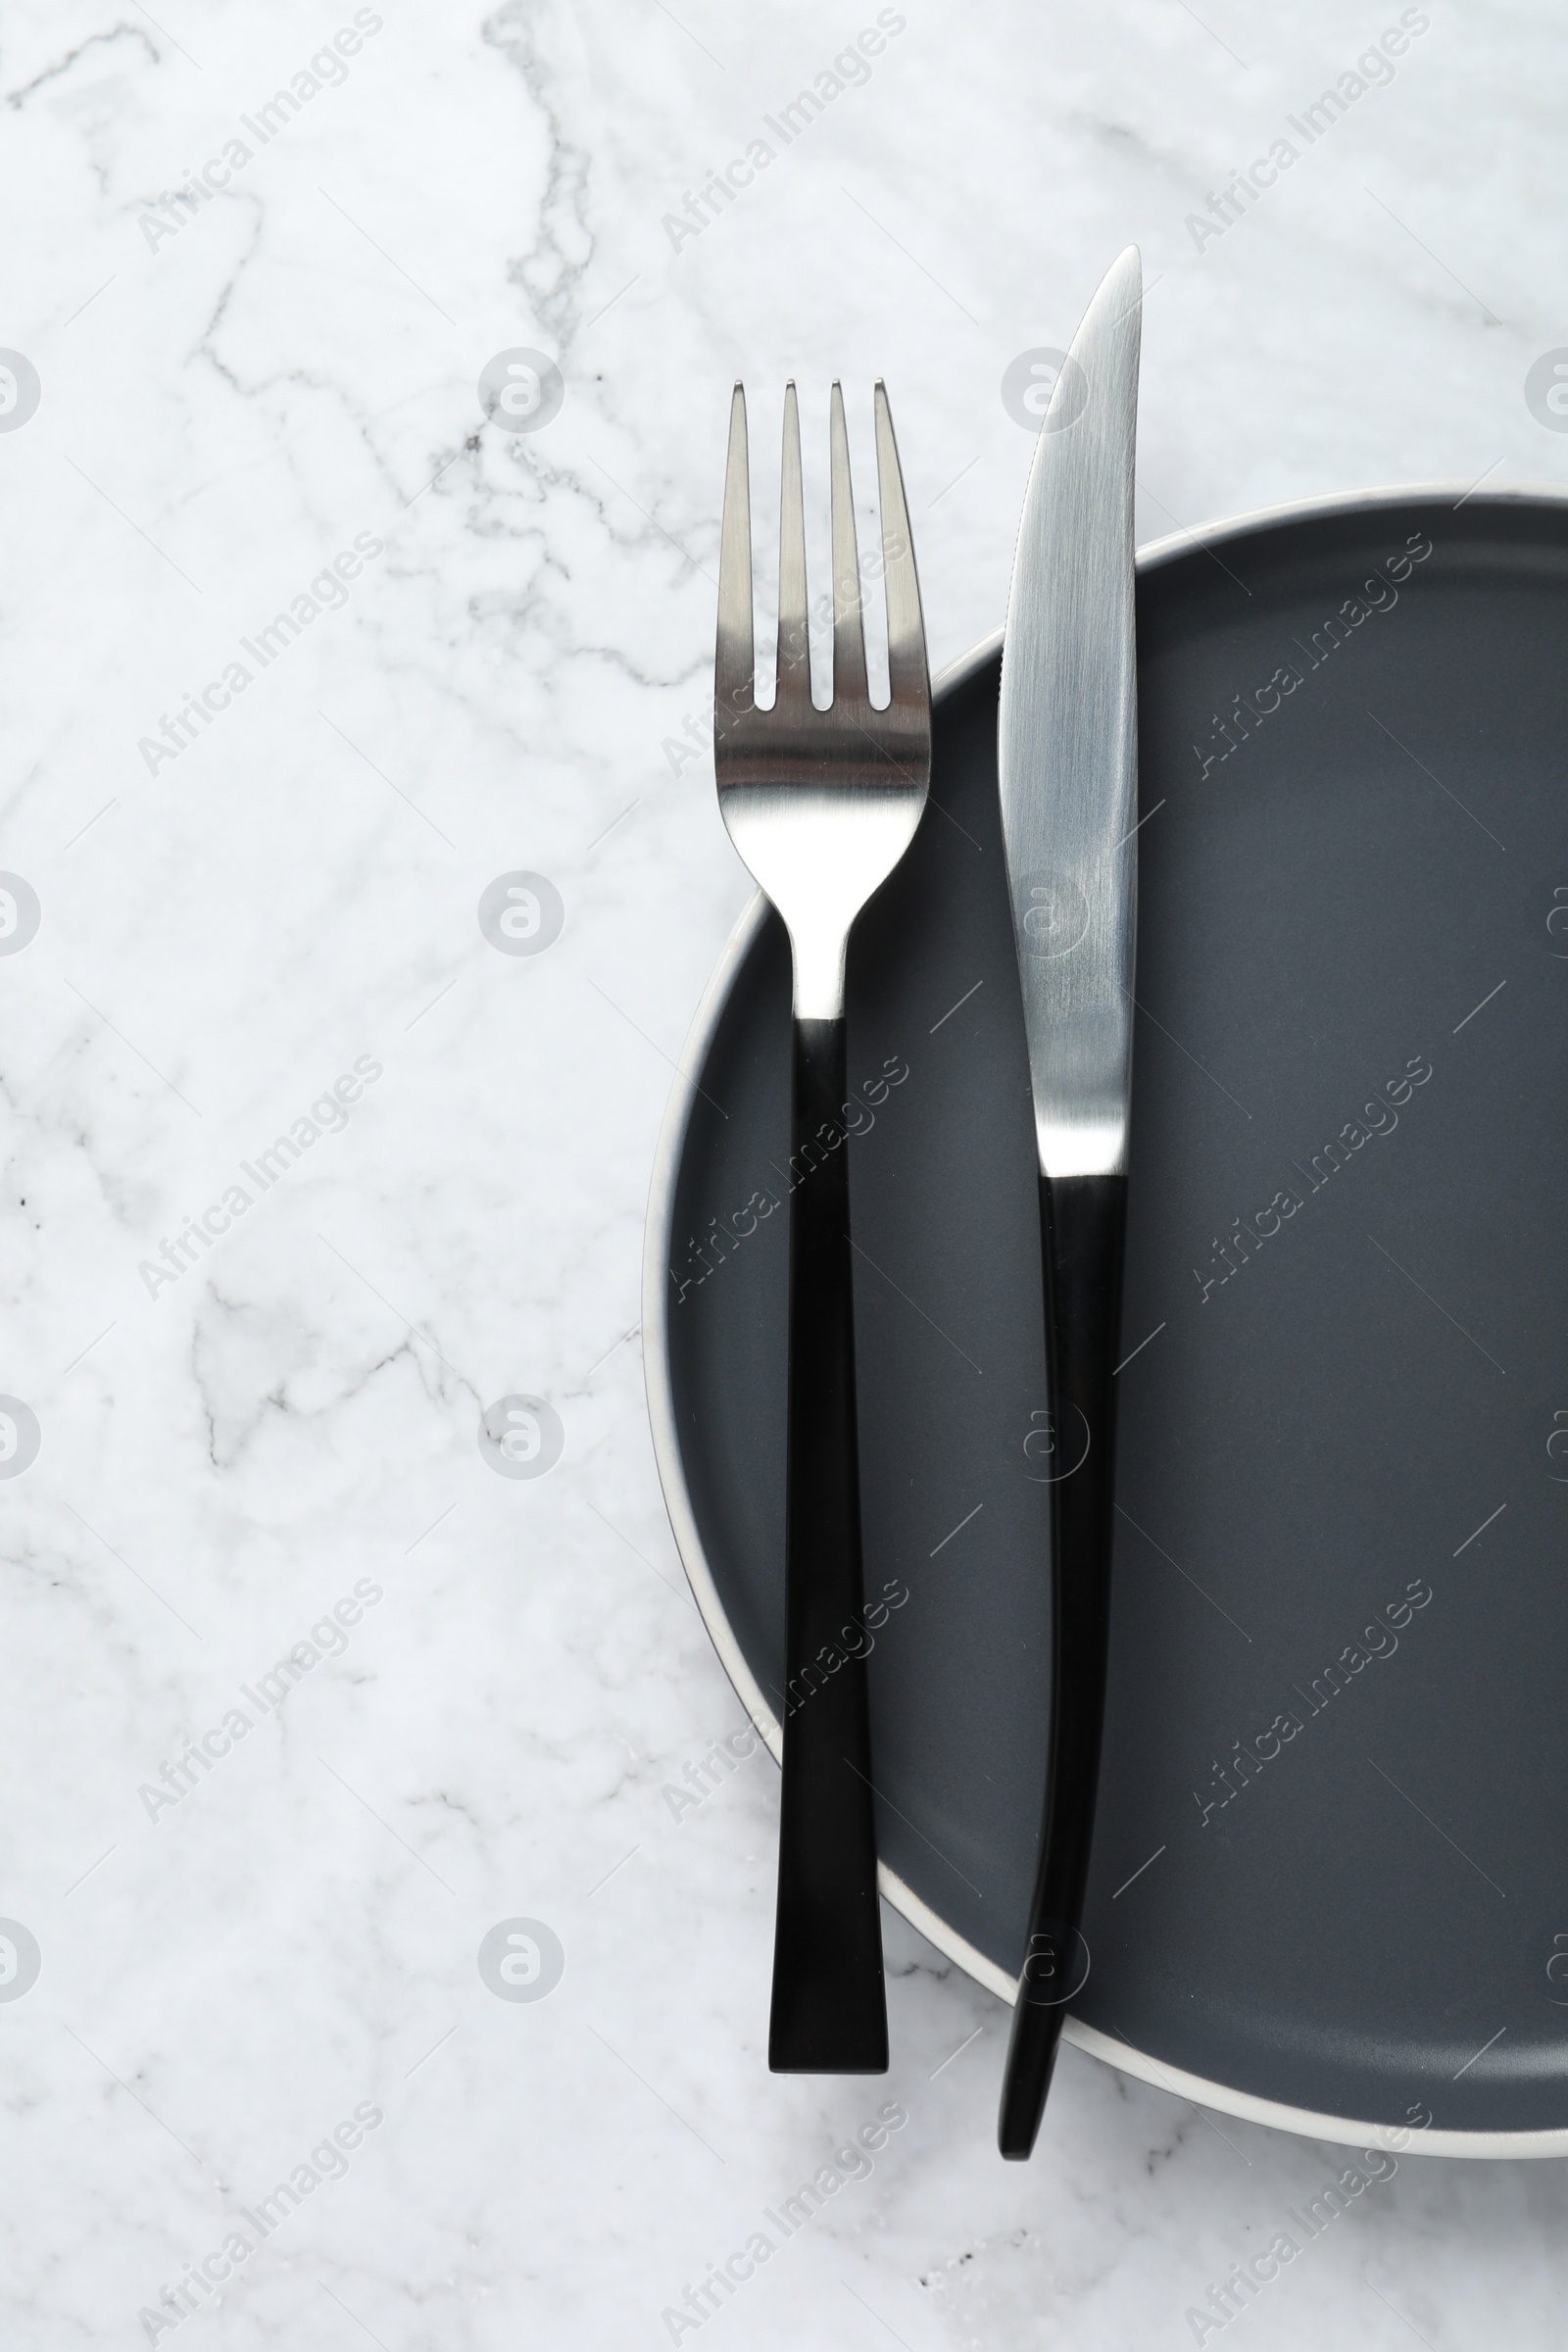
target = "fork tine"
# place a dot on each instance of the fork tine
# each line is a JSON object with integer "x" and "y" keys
{"x": 848, "y": 634}
{"x": 908, "y": 675}
{"x": 735, "y": 657}
{"x": 794, "y": 645}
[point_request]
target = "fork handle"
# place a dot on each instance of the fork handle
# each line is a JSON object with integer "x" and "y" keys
{"x": 829, "y": 2013}
{"x": 1083, "y": 1223}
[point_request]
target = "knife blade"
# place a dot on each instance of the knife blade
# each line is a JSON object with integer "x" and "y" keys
{"x": 1067, "y": 757}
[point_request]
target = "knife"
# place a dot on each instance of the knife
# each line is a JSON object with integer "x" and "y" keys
{"x": 1067, "y": 757}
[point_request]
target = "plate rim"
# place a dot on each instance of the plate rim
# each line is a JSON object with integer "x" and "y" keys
{"x": 669, "y": 1153}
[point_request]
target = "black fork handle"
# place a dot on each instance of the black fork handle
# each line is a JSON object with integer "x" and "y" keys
{"x": 829, "y": 2013}
{"x": 1083, "y": 1221}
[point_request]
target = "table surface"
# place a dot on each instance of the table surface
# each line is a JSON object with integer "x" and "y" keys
{"x": 308, "y": 1172}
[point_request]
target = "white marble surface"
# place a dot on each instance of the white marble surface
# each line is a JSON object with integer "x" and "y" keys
{"x": 223, "y": 410}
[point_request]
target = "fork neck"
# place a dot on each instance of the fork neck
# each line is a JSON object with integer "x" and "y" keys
{"x": 818, "y": 975}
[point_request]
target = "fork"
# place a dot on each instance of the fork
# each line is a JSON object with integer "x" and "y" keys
{"x": 822, "y": 805}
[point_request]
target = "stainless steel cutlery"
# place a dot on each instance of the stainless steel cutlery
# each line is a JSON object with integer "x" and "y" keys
{"x": 822, "y": 805}
{"x": 1067, "y": 757}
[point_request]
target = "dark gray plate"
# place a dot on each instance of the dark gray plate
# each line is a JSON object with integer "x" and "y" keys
{"x": 1330, "y": 1857}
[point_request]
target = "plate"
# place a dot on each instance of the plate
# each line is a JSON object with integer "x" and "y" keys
{"x": 1329, "y": 1885}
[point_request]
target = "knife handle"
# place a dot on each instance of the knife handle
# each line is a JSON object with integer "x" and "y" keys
{"x": 1083, "y": 1223}
{"x": 829, "y": 2013}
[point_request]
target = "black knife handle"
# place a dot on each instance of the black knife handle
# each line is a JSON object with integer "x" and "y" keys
{"x": 1083, "y": 1222}
{"x": 829, "y": 2014}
